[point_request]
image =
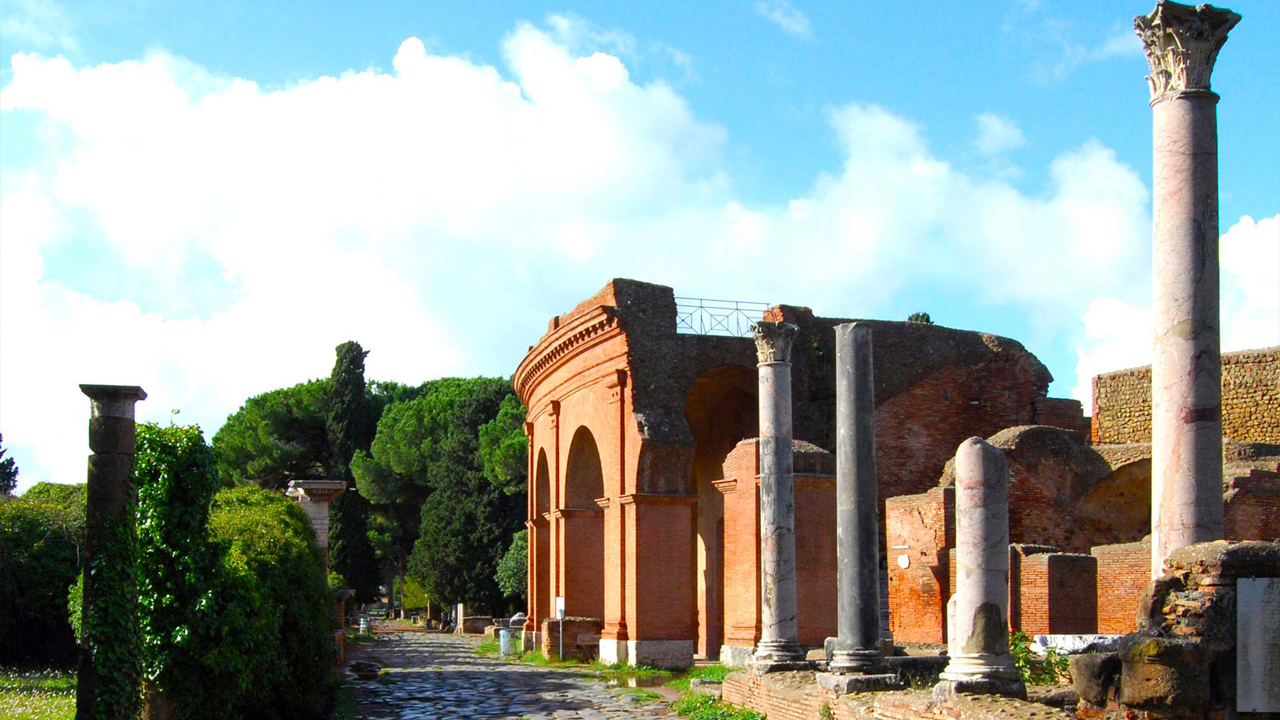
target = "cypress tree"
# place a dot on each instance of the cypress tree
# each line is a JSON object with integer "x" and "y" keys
{"x": 350, "y": 428}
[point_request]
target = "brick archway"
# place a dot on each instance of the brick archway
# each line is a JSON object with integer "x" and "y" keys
{"x": 583, "y": 527}
{"x": 721, "y": 408}
{"x": 541, "y": 594}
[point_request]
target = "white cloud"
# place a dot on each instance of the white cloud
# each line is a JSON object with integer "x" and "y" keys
{"x": 441, "y": 212}
{"x": 1118, "y": 334}
{"x": 997, "y": 134}
{"x": 786, "y": 16}
{"x": 36, "y": 24}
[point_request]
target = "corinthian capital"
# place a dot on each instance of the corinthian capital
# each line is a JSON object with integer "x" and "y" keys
{"x": 1182, "y": 43}
{"x": 773, "y": 341}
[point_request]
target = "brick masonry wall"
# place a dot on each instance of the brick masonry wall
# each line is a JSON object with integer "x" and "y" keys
{"x": 1123, "y": 573}
{"x": 1250, "y": 400}
{"x": 918, "y": 528}
{"x": 1252, "y": 508}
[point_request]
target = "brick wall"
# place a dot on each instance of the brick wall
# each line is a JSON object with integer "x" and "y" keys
{"x": 1252, "y": 507}
{"x": 1250, "y": 400}
{"x": 1123, "y": 573}
{"x": 919, "y": 528}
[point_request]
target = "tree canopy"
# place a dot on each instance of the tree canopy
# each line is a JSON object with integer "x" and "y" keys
{"x": 8, "y": 471}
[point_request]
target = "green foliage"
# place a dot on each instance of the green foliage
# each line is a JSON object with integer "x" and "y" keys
{"x": 37, "y": 695}
{"x": 467, "y": 522}
{"x": 412, "y": 596}
{"x": 109, "y": 624}
{"x": 1035, "y": 670}
{"x": 920, "y": 317}
{"x": 269, "y": 653}
{"x": 176, "y": 565}
{"x": 705, "y": 707}
{"x": 826, "y": 713}
{"x": 336, "y": 582}
{"x": 350, "y": 430}
{"x": 41, "y": 534}
{"x": 8, "y": 471}
{"x": 504, "y": 447}
{"x": 275, "y": 437}
{"x": 513, "y": 570}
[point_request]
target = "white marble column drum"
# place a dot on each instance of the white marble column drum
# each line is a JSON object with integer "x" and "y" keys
{"x": 779, "y": 646}
{"x": 1181, "y": 44}
{"x": 978, "y": 614}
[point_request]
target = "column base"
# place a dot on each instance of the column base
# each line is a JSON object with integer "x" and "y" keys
{"x": 613, "y": 651}
{"x": 778, "y": 656}
{"x": 947, "y": 689}
{"x": 845, "y": 684}
{"x": 859, "y": 661}
{"x": 676, "y": 654}
{"x": 764, "y": 666}
{"x": 736, "y": 656}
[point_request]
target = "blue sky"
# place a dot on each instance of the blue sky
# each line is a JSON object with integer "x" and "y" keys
{"x": 206, "y": 199}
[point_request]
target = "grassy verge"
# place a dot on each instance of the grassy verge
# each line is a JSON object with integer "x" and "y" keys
{"x": 357, "y": 638}
{"x": 715, "y": 673}
{"x": 703, "y": 707}
{"x": 37, "y": 695}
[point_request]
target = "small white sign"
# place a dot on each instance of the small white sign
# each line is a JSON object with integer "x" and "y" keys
{"x": 559, "y": 607}
{"x": 904, "y": 562}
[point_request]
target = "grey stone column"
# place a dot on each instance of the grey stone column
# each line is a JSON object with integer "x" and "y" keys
{"x": 1181, "y": 44}
{"x": 857, "y": 532}
{"x": 857, "y": 663}
{"x": 110, "y": 498}
{"x": 978, "y": 613}
{"x": 779, "y": 646}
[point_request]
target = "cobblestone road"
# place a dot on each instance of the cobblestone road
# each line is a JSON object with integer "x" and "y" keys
{"x": 429, "y": 675}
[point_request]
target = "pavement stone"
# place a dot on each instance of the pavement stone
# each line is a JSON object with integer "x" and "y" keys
{"x": 434, "y": 676}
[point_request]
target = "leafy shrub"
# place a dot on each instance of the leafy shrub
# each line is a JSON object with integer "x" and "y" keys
{"x": 1036, "y": 670}
{"x": 271, "y": 652}
{"x": 513, "y": 569}
{"x": 40, "y": 537}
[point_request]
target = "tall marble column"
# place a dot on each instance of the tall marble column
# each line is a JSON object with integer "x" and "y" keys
{"x": 779, "y": 646}
{"x": 106, "y": 680}
{"x": 1182, "y": 43}
{"x": 978, "y": 613}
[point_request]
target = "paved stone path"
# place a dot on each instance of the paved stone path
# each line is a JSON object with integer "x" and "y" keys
{"x": 431, "y": 675}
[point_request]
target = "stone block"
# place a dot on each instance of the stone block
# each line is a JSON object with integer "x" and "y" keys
{"x": 844, "y": 684}
{"x": 581, "y": 638}
{"x": 1093, "y": 676}
{"x": 1161, "y": 673}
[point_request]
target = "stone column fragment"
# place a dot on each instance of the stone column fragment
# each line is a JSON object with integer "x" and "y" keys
{"x": 110, "y": 501}
{"x": 978, "y": 614}
{"x": 779, "y": 646}
{"x": 1182, "y": 43}
{"x": 316, "y": 496}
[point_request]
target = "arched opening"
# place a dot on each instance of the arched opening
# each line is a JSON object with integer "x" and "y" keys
{"x": 540, "y": 594}
{"x": 721, "y": 409}
{"x": 583, "y": 519}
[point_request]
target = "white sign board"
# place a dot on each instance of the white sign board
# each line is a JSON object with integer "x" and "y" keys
{"x": 1258, "y": 645}
{"x": 559, "y": 607}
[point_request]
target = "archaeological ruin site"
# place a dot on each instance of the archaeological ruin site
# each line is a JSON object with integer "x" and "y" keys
{"x": 789, "y": 493}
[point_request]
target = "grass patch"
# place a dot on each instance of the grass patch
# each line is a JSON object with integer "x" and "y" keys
{"x": 704, "y": 707}
{"x": 641, "y": 695}
{"x": 535, "y": 657}
{"x": 488, "y": 648}
{"x": 358, "y": 638}
{"x": 714, "y": 673}
{"x": 37, "y": 694}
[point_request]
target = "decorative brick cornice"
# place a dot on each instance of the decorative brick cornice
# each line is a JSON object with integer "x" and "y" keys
{"x": 555, "y": 348}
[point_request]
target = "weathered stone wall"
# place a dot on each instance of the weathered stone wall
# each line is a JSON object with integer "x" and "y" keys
{"x": 1252, "y": 506}
{"x": 1250, "y": 400}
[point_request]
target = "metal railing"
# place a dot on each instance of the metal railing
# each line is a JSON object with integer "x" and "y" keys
{"x": 730, "y": 318}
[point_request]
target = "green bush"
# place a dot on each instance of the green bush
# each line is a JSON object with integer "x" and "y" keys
{"x": 40, "y": 537}
{"x": 513, "y": 569}
{"x": 1034, "y": 670}
{"x": 271, "y": 653}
